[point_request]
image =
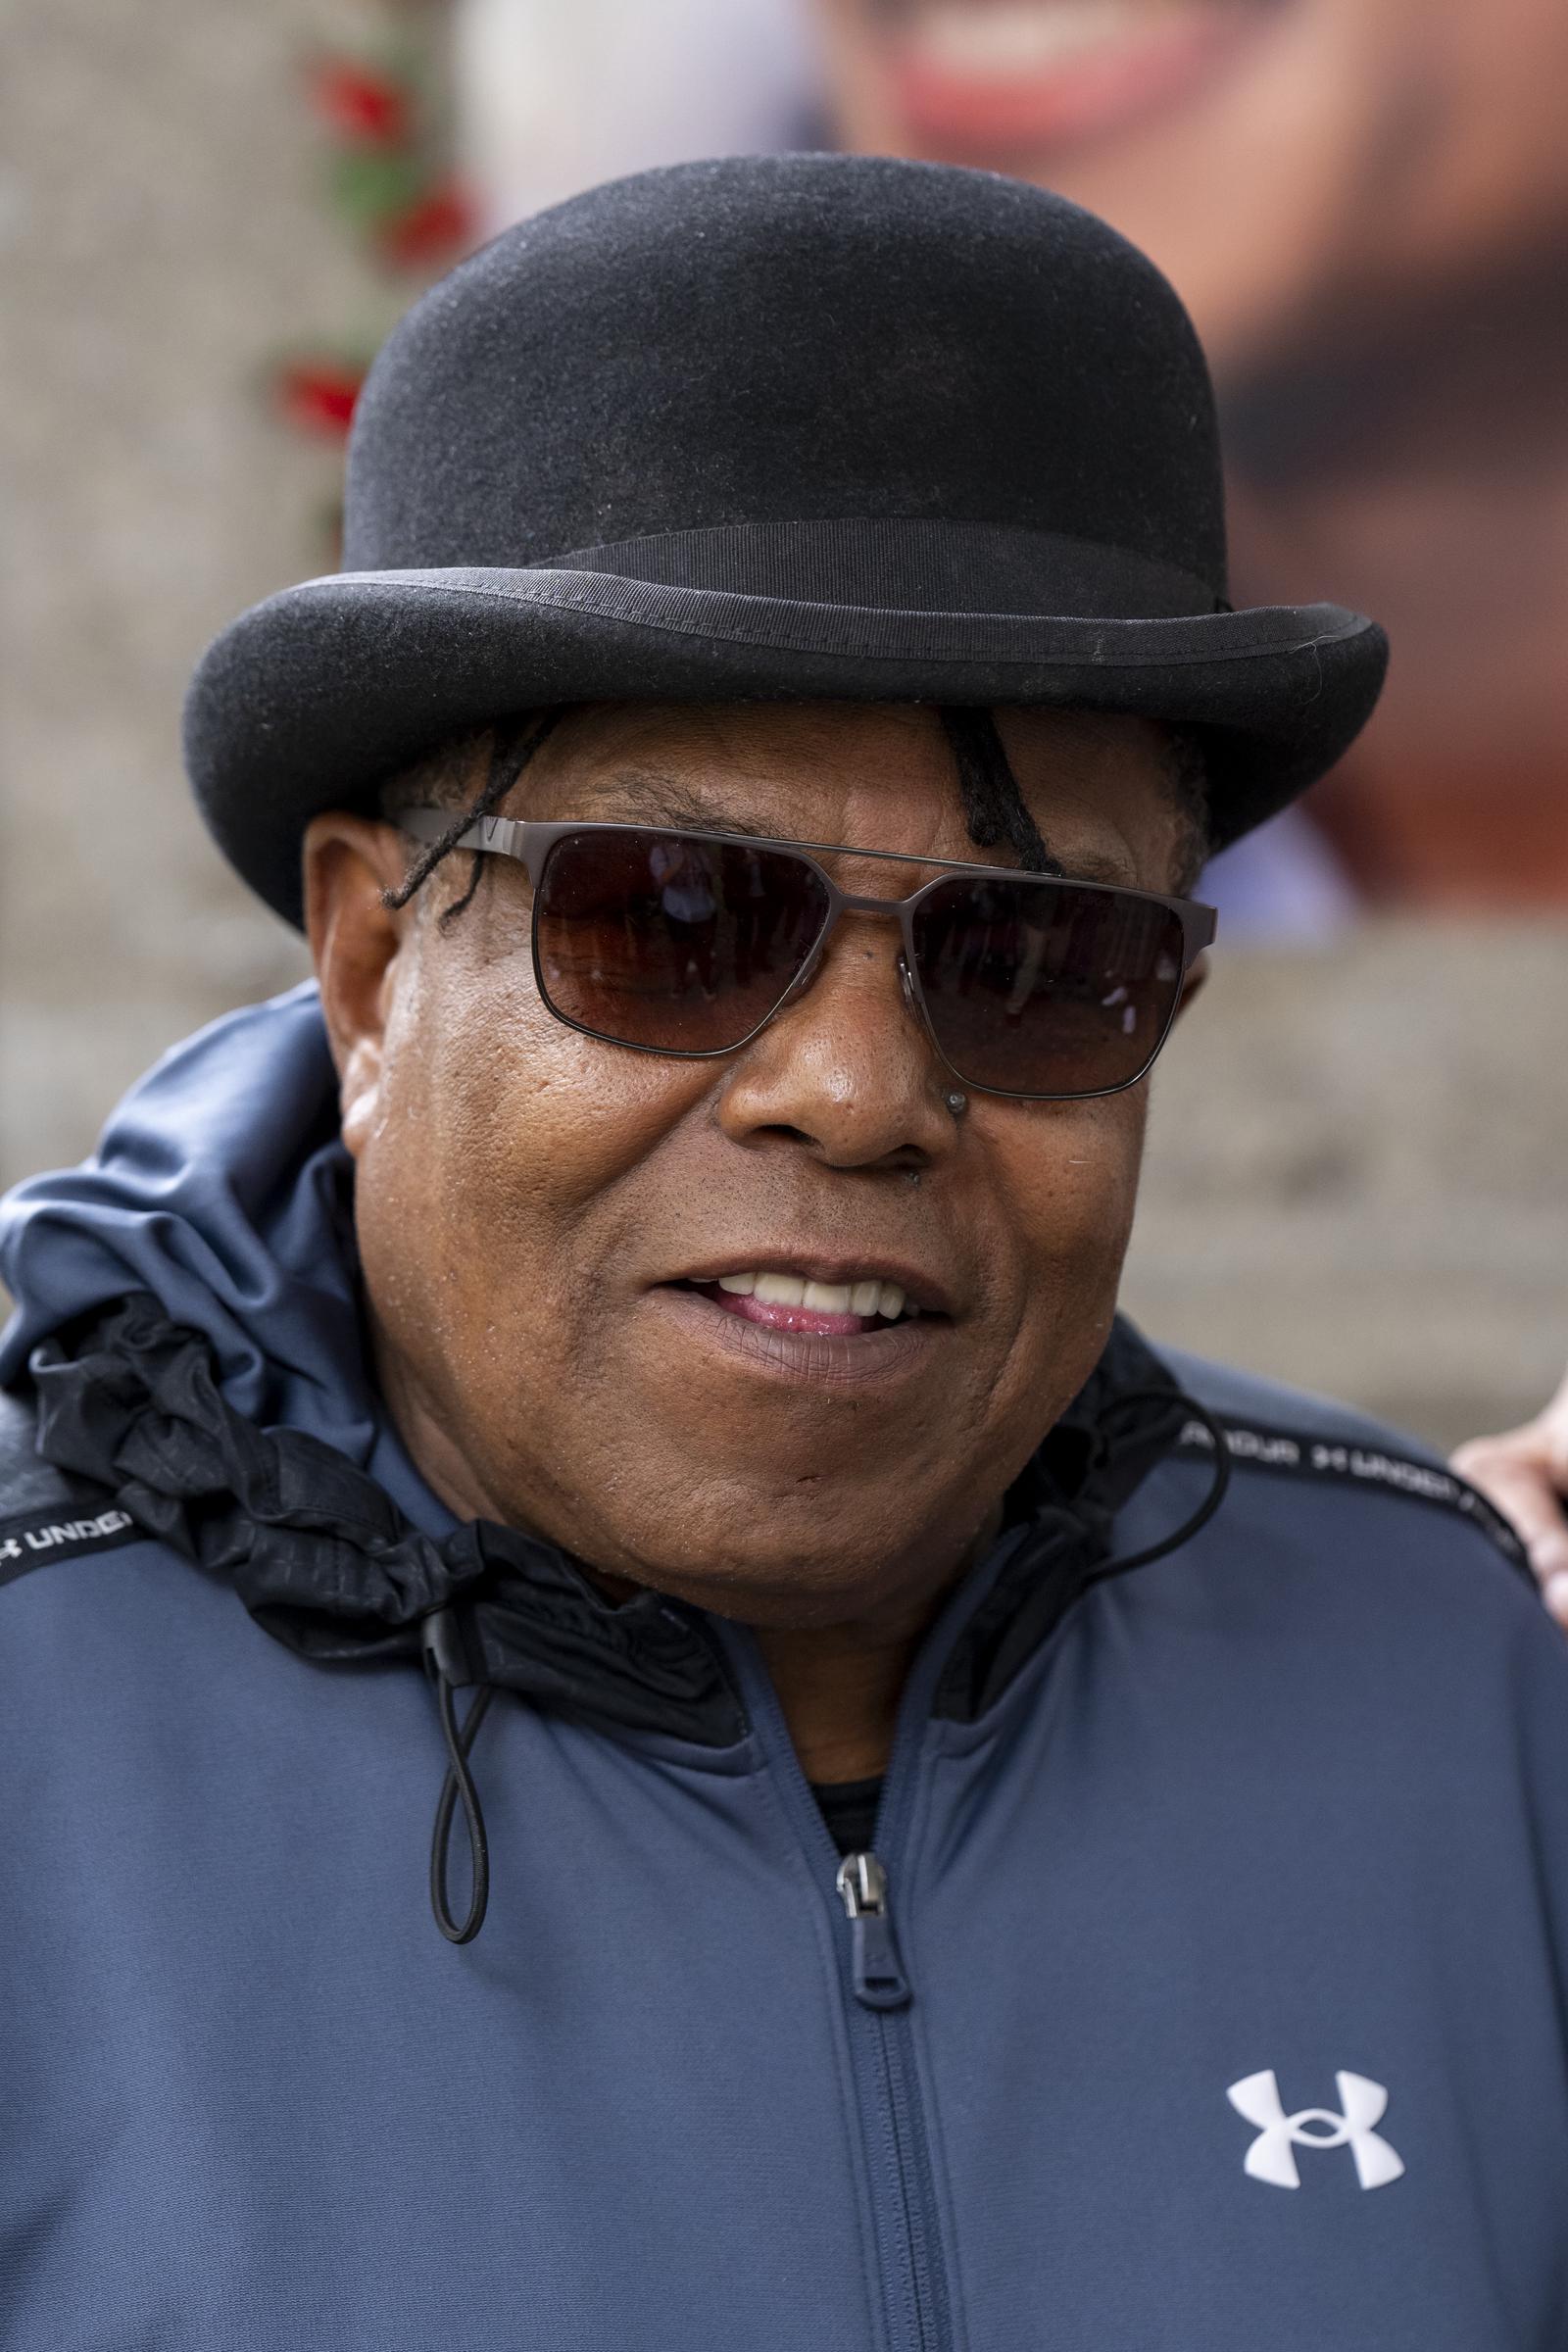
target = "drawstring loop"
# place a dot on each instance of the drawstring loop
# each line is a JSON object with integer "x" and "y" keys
{"x": 446, "y": 1663}
{"x": 1219, "y": 1488}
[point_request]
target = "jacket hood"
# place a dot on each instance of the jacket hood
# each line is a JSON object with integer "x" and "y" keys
{"x": 221, "y": 1187}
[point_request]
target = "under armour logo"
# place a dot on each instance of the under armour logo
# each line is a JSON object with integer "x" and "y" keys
{"x": 1271, "y": 2156}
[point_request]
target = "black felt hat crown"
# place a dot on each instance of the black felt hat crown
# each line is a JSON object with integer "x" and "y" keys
{"x": 807, "y": 426}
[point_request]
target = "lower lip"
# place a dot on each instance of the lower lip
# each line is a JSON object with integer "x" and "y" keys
{"x": 824, "y": 1357}
{"x": 982, "y": 115}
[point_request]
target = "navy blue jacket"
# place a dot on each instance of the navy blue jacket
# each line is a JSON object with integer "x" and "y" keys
{"x": 1219, "y": 2002}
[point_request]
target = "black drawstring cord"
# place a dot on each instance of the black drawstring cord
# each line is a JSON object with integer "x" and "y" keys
{"x": 447, "y": 1665}
{"x": 1206, "y": 1508}
{"x": 460, "y": 1783}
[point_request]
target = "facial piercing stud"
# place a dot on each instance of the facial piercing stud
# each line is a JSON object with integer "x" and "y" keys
{"x": 958, "y": 1104}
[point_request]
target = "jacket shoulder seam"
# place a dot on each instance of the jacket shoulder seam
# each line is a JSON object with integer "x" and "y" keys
{"x": 1364, "y": 1463}
{"x": 47, "y": 1514}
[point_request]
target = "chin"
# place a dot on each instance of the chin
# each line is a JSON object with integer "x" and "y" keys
{"x": 794, "y": 1593}
{"x": 783, "y": 1551}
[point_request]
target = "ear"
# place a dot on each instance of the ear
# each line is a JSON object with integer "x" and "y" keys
{"x": 357, "y": 942}
{"x": 1196, "y": 978}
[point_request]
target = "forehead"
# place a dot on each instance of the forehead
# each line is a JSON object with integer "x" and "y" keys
{"x": 874, "y": 775}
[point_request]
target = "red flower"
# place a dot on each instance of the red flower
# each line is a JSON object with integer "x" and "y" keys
{"x": 319, "y": 395}
{"x": 367, "y": 107}
{"x": 440, "y": 224}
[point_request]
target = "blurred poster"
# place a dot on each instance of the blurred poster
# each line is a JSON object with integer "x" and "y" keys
{"x": 555, "y": 95}
{"x": 1365, "y": 205}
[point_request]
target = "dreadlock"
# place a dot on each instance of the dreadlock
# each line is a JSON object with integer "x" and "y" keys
{"x": 511, "y": 747}
{"x": 998, "y": 816}
{"x": 994, "y": 807}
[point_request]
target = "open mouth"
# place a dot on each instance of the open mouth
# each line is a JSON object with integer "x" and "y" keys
{"x": 822, "y": 1329}
{"x": 982, "y": 79}
{"x": 824, "y": 1309}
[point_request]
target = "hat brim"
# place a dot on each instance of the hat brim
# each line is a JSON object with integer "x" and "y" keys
{"x": 312, "y": 700}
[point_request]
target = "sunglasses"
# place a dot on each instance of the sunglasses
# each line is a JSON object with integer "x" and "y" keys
{"x": 688, "y": 944}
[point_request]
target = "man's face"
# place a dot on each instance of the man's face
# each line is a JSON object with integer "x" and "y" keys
{"x": 543, "y": 1217}
{"x": 1274, "y": 157}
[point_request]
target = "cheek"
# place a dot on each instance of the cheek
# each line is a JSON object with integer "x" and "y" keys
{"x": 1077, "y": 1187}
{"x": 488, "y": 1176}
{"x": 1072, "y": 1180}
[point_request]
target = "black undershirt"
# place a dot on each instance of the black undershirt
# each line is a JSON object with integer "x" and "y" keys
{"x": 849, "y": 1807}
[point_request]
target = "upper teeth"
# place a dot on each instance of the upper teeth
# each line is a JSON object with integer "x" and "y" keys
{"x": 868, "y": 1297}
{"x": 1017, "y": 36}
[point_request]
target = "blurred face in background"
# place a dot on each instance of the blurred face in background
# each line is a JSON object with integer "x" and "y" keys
{"x": 1364, "y": 203}
{"x": 1277, "y": 158}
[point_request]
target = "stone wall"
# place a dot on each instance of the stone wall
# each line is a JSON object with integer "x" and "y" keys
{"x": 1359, "y": 1172}
{"x": 162, "y": 238}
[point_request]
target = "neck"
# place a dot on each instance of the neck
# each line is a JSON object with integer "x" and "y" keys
{"x": 839, "y": 1688}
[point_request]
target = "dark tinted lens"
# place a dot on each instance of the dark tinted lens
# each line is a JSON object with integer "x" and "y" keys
{"x": 1046, "y": 988}
{"x": 670, "y": 940}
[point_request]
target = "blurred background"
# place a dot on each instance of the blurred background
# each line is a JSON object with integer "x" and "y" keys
{"x": 211, "y": 211}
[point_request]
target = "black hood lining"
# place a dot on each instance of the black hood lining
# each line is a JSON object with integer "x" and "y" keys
{"x": 129, "y": 1407}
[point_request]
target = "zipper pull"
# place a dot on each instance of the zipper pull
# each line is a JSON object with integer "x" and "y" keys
{"x": 879, "y": 1979}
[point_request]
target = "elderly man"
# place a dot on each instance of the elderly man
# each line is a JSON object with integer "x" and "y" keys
{"x": 955, "y": 1829}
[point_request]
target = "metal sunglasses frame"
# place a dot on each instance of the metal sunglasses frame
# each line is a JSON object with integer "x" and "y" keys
{"x": 529, "y": 845}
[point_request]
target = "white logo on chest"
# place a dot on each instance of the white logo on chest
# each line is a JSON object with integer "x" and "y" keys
{"x": 1272, "y": 2154}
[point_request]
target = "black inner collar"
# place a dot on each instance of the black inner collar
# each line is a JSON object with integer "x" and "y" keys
{"x": 849, "y": 1807}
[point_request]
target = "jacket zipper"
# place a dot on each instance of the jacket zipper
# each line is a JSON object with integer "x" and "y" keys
{"x": 910, "y": 2266}
{"x": 883, "y": 1992}
{"x": 917, "y": 2299}
{"x": 875, "y": 1966}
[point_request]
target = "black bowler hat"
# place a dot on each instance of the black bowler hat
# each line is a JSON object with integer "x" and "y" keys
{"x": 833, "y": 428}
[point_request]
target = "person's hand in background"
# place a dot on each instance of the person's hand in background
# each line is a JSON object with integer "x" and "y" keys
{"x": 1525, "y": 1473}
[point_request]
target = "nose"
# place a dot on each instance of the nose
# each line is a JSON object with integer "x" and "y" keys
{"x": 847, "y": 1069}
